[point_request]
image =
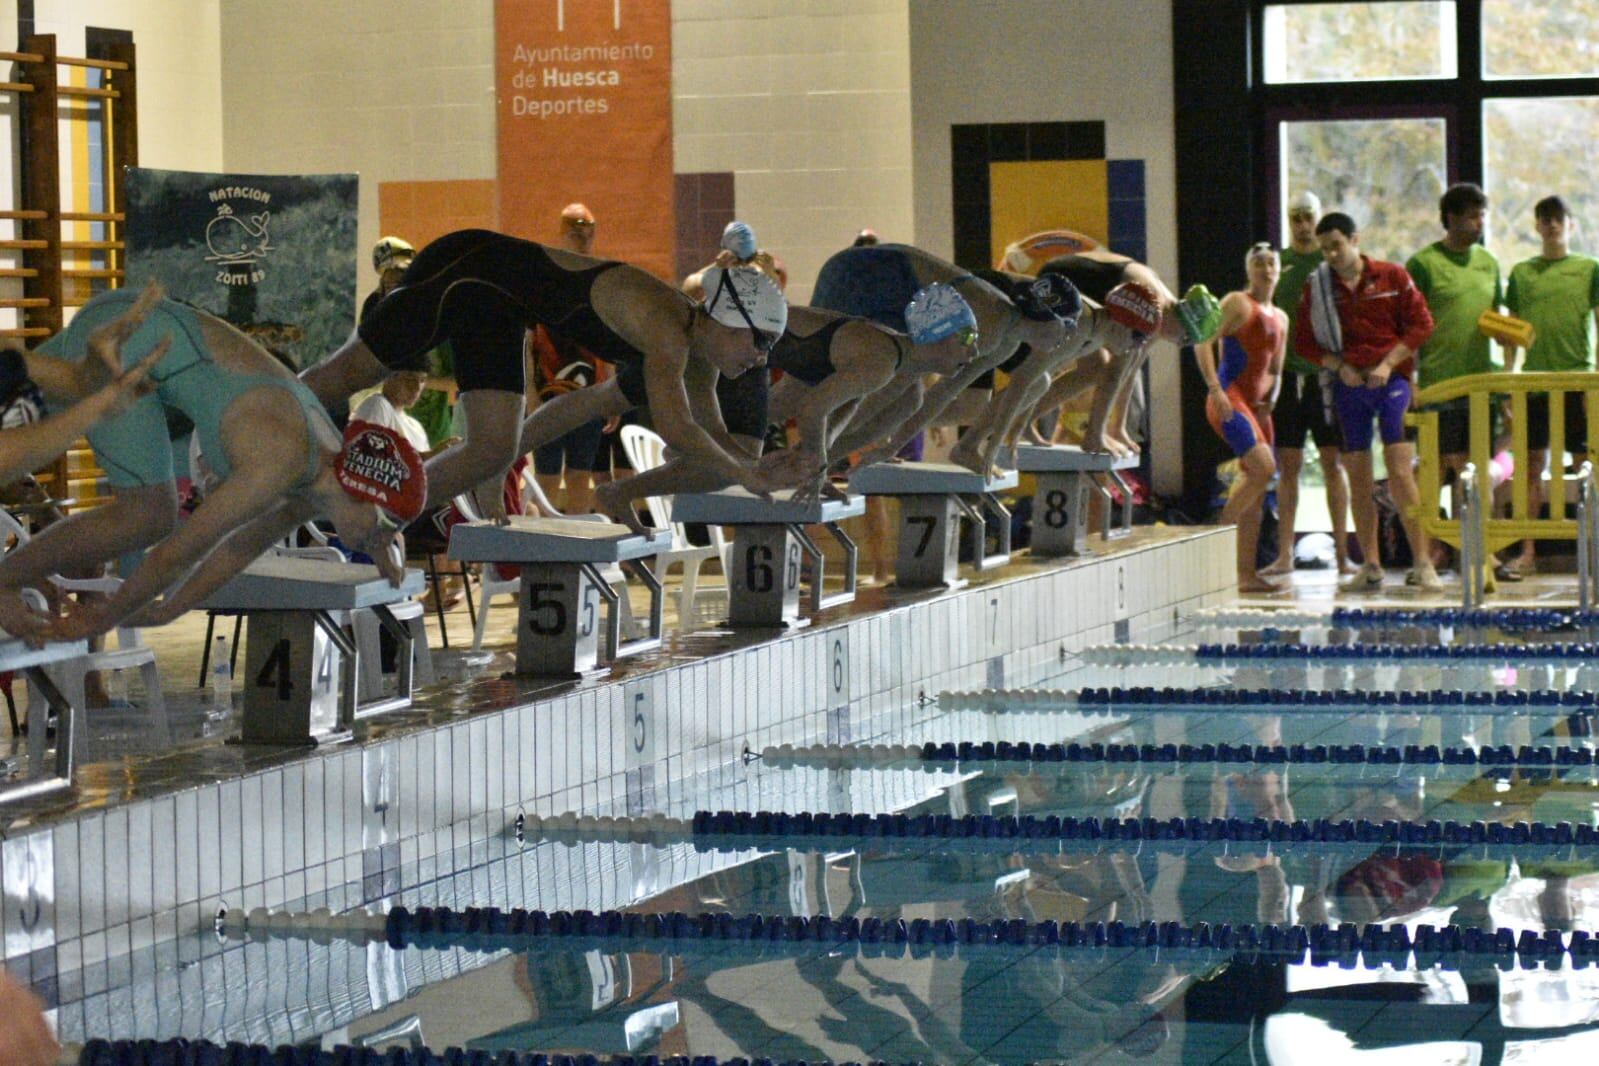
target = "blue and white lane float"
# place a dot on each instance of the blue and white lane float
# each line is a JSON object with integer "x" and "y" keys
{"x": 1231, "y": 654}
{"x": 1505, "y": 619}
{"x": 489, "y": 929}
{"x": 920, "y": 834}
{"x": 204, "y": 1053}
{"x": 1121, "y": 698}
{"x": 940, "y": 757}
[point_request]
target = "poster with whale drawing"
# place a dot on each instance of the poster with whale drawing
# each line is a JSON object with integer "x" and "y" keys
{"x": 273, "y": 254}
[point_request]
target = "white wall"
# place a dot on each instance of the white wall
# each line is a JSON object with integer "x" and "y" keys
{"x": 394, "y": 90}
{"x": 178, "y": 46}
{"x": 179, "y": 67}
{"x": 1053, "y": 61}
{"x": 807, "y": 102}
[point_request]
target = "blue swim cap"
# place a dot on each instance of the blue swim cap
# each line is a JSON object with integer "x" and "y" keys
{"x": 936, "y": 312}
{"x": 739, "y": 239}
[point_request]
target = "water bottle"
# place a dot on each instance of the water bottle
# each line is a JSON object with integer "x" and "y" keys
{"x": 221, "y": 675}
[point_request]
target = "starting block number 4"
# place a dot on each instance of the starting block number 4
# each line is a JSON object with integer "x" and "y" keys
{"x": 293, "y": 671}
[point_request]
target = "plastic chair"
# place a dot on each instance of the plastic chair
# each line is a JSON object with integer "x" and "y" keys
{"x": 646, "y": 450}
{"x": 71, "y": 675}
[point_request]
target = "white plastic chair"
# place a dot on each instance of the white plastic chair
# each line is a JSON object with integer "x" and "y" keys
{"x": 493, "y": 585}
{"x": 70, "y": 675}
{"x": 646, "y": 450}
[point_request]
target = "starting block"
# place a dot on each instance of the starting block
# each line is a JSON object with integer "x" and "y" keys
{"x": 932, "y": 500}
{"x": 1068, "y": 478}
{"x": 300, "y": 667}
{"x": 769, "y": 539}
{"x": 557, "y": 620}
{"x": 31, "y": 662}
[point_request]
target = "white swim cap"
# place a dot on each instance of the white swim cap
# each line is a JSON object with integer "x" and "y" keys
{"x": 1305, "y": 200}
{"x": 745, "y": 298}
{"x": 739, "y": 239}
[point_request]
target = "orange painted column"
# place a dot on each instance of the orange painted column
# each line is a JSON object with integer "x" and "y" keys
{"x": 584, "y": 90}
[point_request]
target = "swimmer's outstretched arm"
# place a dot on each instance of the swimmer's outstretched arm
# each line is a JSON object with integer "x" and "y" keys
{"x": 887, "y": 411}
{"x": 671, "y": 414}
{"x": 238, "y": 501}
{"x": 27, "y": 448}
{"x": 243, "y": 547}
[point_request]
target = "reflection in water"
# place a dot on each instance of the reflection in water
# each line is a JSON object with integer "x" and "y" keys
{"x": 1015, "y": 1005}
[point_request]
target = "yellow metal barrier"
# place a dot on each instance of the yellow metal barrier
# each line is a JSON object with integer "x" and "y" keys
{"x": 1482, "y": 392}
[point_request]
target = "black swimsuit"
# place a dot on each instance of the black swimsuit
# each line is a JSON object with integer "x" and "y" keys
{"x": 481, "y": 291}
{"x": 809, "y": 359}
{"x": 1094, "y": 278}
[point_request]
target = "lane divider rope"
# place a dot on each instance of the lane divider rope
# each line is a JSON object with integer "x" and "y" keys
{"x": 489, "y": 929}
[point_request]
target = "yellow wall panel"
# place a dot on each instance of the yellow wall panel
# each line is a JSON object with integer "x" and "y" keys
{"x": 1025, "y": 198}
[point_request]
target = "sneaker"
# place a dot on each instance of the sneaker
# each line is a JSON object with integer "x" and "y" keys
{"x": 1368, "y": 577}
{"x": 1425, "y": 578}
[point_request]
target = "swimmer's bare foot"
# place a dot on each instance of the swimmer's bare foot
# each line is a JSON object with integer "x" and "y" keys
{"x": 1252, "y": 583}
{"x": 608, "y": 501}
{"x": 1279, "y": 565}
{"x": 966, "y": 457}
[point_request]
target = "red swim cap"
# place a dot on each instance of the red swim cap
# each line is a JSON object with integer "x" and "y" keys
{"x": 1135, "y": 306}
{"x": 378, "y": 465}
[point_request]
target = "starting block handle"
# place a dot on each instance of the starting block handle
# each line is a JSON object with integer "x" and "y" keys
{"x": 404, "y": 664}
{"x": 987, "y": 503}
{"x": 615, "y": 646}
{"x": 819, "y": 600}
{"x": 349, "y": 655}
{"x": 66, "y": 735}
{"x": 1127, "y": 502}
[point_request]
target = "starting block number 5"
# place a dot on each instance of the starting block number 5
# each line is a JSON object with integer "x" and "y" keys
{"x": 546, "y": 615}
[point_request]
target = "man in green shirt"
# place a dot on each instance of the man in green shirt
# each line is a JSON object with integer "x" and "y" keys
{"x": 1460, "y": 279}
{"x": 1302, "y": 409}
{"x": 1558, "y": 292}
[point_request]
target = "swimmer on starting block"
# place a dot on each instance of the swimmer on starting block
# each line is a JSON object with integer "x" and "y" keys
{"x": 1243, "y": 385}
{"x": 876, "y": 282}
{"x": 833, "y": 364}
{"x": 482, "y": 290}
{"x": 1097, "y": 273}
{"x": 280, "y": 460}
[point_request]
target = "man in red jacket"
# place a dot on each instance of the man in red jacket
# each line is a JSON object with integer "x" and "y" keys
{"x": 1364, "y": 319}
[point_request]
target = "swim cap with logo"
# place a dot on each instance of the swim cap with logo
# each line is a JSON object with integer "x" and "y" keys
{"x": 1135, "y": 305}
{"x": 392, "y": 253}
{"x": 745, "y": 298}
{"x": 1051, "y": 296}
{"x": 936, "y": 312}
{"x": 1200, "y": 313}
{"x": 378, "y": 465}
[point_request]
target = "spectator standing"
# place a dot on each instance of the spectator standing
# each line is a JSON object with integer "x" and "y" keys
{"x": 1460, "y": 280}
{"x": 1558, "y": 292}
{"x": 1242, "y": 367}
{"x": 1364, "y": 319}
{"x": 1304, "y": 406}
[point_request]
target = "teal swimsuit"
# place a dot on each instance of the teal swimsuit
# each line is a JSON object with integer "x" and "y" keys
{"x": 133, "y": 448}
